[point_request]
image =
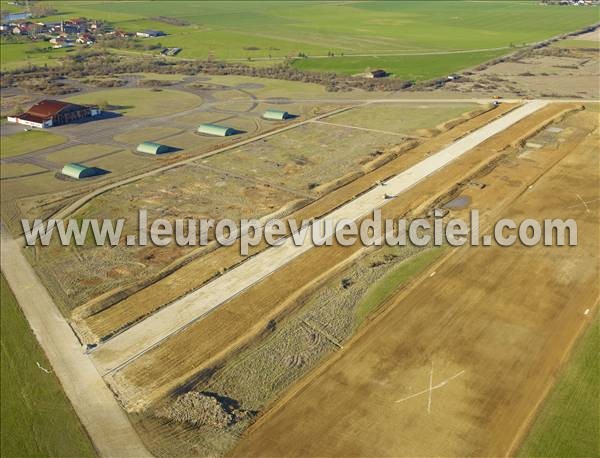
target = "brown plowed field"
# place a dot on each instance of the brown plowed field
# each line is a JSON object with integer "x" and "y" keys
{"x": 199, "y": 271}
{"x": 203, "y": 343}
{"x": 487, "y": 332}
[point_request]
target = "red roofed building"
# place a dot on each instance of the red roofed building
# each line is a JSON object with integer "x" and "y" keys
{"x": 48, "y": 113}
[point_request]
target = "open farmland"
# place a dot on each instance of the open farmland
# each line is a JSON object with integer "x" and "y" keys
{"x": 568, "y": 421}
{"x": 14, "y": 55}
{"x": 418, "y": 67}
{"x": 489, "y": 355}
{"x": 246, "y": 30}
{"x": 33, "y": 403}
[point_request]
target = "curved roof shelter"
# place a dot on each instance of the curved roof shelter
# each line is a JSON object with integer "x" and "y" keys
{"x": 79, "y": 171}
{"x": 276, "y": 115}
{"x": 215, "y": 129}
{"x": 152, "y": 148}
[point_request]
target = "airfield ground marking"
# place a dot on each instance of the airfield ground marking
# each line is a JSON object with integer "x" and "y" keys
{"x": 587, "y": 209}
{"x": 364, "y": 128}
{"x": 42, "y": 367}
{"x": 431, "y": 388}
{"x": 585, "y": 203}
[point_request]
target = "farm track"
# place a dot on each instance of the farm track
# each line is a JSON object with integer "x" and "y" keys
{"x": 234, "y": 323}
{"x": 492, "y": 347}
{"x": 199, "y": 271}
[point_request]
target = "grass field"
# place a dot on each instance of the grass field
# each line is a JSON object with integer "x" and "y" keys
{"x": 23, "y": 53}
{"x": 306, "y": 157}
{"x": 568, "y": 422}
{"x": 238, "y": 30}
{"x": 25, "y": 142}
{"x": 142, "y": 103}
{"x": 37, "y": 418}
{"x": 409, "y": 119}
{"x": 80, "y": 153}
{"x": 417, "y": 67}
{"x": 392, "y": 281}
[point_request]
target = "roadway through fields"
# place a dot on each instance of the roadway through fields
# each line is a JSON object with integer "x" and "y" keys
{"x": 135, "y": 341}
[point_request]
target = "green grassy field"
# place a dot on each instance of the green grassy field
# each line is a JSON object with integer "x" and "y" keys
{"x": 402, "y": 118}
{"x": 393, "y": 280}
{"x": 37, "y": 418}
{"x": 416, "y": 67}
{"x": 142, "y": 103}
{"x": 238, "y": 30}
{"x": 568, "y": 424}
{"x": 25, "y": 142}
{"x": 24, "y": 53}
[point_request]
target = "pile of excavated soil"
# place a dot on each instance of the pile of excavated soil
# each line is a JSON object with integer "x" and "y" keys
{"x": 202, "y": 409}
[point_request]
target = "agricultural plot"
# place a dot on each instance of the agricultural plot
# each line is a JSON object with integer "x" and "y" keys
{"x": 33, "y": 403}
{"x": 407, "y": 67}
{"x": 490, "y": 355}
{"x": 23, "y": 53}
{"x": 567, "y": 424}
{"x": 242, "y": 31}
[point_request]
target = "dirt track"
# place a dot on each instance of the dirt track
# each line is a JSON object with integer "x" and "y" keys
{"x": 459, "y": 362}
